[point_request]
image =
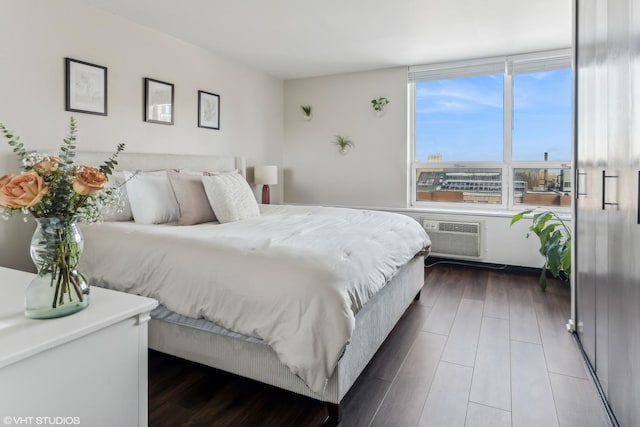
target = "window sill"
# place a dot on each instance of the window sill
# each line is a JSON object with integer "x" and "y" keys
{"x": 565, "y": 213}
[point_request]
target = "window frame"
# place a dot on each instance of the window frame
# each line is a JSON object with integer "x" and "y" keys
{"x": 512, "y": 64}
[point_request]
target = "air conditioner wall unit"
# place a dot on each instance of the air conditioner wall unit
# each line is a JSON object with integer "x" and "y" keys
{"x": 453, "y": 238}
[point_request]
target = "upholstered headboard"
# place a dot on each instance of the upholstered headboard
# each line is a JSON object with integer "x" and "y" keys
{"x": 154, "y": 161}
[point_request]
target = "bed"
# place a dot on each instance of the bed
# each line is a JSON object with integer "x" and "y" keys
{"x": 280, "y": 298}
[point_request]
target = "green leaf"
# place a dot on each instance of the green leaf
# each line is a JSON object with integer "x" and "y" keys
{"x": 566, "y": 258}
{"x": 517, "y": 217}
{"x": 546, "y": 233}
{"x": 13, "y": 141}
{"x": 555, "y": 241}
{"x": 545, "y": 230}
{"x": 107, "y": 167}
{"x": 543, "y": 278}
{"x": 553, "y": 257}
{"x": 540, "y": 220}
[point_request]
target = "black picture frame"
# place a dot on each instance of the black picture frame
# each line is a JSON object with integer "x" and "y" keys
{"x": 85, "y": 87}
{"x": 158, "y": 101}
{"x": 208, "y": 110}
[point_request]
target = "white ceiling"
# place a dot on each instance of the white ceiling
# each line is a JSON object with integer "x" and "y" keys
{"x": 303, "y": 38}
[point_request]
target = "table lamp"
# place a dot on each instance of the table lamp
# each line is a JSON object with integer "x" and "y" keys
{"x": 265, "y": 175}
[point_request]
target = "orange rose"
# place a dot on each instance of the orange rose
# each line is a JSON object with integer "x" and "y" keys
{"x": 46, "y": 164}
{"x": 88, "y": 181}
{"x": 5, "y": 179}
{"x": 21, "y": 191}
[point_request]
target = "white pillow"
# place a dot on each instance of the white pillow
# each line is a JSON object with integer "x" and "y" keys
{"x": 230, "y": 197}
{"x": 151, "y": 198}
{"x": 117, "y": 181}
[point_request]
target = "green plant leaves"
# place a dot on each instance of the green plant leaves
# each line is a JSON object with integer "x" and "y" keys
{"x": 553, "y": 250}
{"x": 565, "y": 260}
{"x": 15, "y": 144}
{"x": 343, "y": 142}
{"x": 67, "y": 149}
{"x": 555, "y": 242}
{"x": 517, "y": 217}
{"x": 542, "y": 280}
{"x": 107, "y": 167}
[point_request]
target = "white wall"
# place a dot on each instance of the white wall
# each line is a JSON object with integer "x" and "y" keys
{"x": 501, "y": 242}
{"x": 374, "y": 173}
{"x": 36, "y": 36}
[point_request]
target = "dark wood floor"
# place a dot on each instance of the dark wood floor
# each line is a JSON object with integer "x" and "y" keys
{"x": 480, "y": 348}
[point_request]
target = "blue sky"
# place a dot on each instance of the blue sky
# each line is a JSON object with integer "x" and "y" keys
{"x": 462, "y": 118}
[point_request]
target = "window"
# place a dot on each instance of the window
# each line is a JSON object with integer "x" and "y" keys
{"x": 459, "y": 119}
{"x": 542, "y": 115}
{"x": 542, "y": 186}
{"x": 494, "y": 132}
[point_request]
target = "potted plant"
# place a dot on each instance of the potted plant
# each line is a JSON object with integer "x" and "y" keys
{"x": 307, "y": 112}
{"x": 379, "y": 104}
{"x": 344, "y": 143}
{"x": 555, "y": 242}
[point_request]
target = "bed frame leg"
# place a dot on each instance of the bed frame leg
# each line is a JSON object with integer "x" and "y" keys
{"x": 335, "y": 412}
{"x": 417, "y": 295}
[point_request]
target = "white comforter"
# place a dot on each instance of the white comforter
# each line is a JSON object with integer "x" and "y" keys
{"x": 293, "y": 277}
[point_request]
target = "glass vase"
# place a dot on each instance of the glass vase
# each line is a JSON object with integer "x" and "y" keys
{"x": 58, "y": 289}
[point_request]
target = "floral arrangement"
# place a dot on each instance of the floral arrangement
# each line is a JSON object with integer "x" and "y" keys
{"x": 54, "y": 186}
{"x": 58, "y": 193}
{"x": 379, "y": 104}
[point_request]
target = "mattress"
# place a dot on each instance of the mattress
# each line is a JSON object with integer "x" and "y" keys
{"x": 295, "y": 277}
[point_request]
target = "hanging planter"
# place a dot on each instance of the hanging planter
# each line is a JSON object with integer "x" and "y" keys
{"x": 379, "y": 105}
{"x": 306, "y": 109}
{"x": 343, "y": 143}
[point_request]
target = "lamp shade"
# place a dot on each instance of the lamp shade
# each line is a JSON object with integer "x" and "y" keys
{"x": 266, "y": 175}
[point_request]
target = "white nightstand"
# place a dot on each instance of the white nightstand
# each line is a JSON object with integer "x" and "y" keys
{"x": 91, "y": 365}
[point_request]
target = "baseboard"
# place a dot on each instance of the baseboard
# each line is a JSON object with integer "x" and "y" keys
{"x": 516, "y": 269}
{"x": 611, "y": 417}
{"x": 433, "y": 260}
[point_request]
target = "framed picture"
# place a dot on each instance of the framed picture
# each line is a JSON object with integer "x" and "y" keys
{"x": 158, "y": 102}
{"x": 208, "y": 110}
{"x": 86, "y": 87}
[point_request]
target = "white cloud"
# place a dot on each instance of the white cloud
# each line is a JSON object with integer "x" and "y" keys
{"x": 456, "y": 96}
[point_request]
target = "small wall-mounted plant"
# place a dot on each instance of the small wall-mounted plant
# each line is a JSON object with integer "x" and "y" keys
{"x": 344, "y": 143}
{"x": 306, "y": 109}
{"x": 379, "y": 104}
